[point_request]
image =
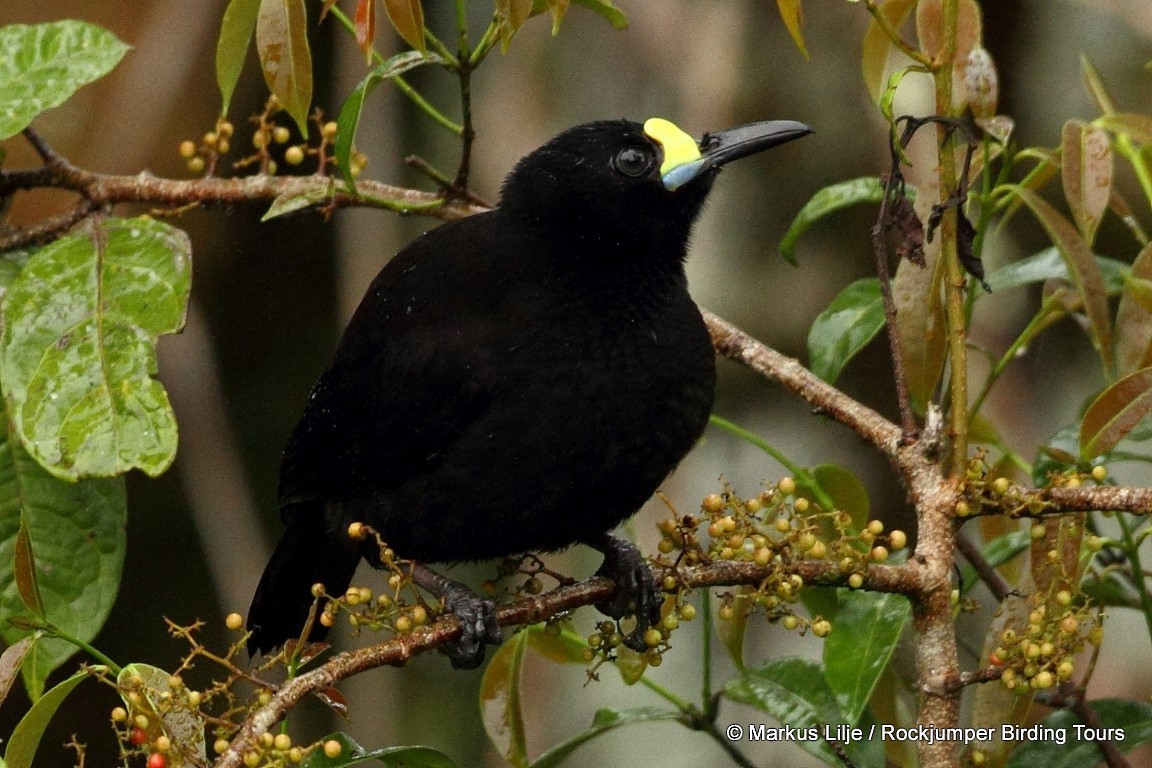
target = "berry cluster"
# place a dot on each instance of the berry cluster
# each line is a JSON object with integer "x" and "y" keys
{"x": 1042, "y": 652}
{"x": 267, "y": 135}
{"x": 776, "y": 529}
{"x": 985, "y": 494}
{"x": 277, "y": 751}
{"x": 142, "y": 726}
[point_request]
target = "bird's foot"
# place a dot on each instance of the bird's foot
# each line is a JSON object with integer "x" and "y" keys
{"x": 477, "y": 617}
{"x": 636, "y": 591}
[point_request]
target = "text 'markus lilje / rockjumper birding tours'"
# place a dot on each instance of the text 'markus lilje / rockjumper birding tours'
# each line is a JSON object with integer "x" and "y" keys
{"x": 522, "y": 379}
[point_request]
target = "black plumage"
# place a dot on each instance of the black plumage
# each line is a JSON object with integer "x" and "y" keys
{"x": 522, "y": 379}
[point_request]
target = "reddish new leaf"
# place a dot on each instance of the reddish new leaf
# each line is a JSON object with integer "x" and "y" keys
{"x": 365, "y": 23}
{"x": 1115, "y": 413}
{"x": 1082, "y": 267}
{"x": 282, "y": 42}
{"x": 407, "y": 17}
{"x": 1086, "y": 169}
{"x": 24, "y": 566}
{"x": 1134, "y": 318}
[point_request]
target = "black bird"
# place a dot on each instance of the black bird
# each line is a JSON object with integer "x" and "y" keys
{"x": 522, "y": 379}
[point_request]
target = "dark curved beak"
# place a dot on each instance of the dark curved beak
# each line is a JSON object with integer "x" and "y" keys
{"x": 723, "y": 147}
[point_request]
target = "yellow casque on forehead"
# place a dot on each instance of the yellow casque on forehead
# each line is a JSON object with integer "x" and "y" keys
{"x": 679, "y": 147}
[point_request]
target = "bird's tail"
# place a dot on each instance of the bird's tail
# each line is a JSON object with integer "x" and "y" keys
{"x": 308, "y": 552}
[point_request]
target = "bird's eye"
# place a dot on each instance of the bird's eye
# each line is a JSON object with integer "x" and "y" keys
{"x": 633, "y": 161}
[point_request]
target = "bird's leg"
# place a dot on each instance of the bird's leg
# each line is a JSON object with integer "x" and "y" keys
{"x": 636, "y": 590}
{"x": 476, "y": 615}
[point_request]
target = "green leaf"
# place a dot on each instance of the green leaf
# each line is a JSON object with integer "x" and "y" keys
{"x": 407, "y": 17}
{"x": 844, "y": 488}
{"x": 792, "y": 14}
{"x": 1086, "y": 170}
{"x": 848, "y": 324}
{"x": 298, "y": 201}
{"x": 877, "y": 46}
{"x": 1057, "y": 455}
{"x": 845, "y": 194}
{"x": 285, "y": 58}
{"x": 868, "y": 626}
{"x": 1134, "y": 316}
{"x": 793, "y": 691}
{"x": 352, "y": 753}
{"x": 500, "y": 705}
{"x": 1048, "y": 264}
{"x": 26, "y": 736}
{"x": 1085, "y": 274}
{"x": 232, "y": 46}
{"x": 42, "y": 65}
{"x": 606, "y": 10}
{"x": 732, "y": 631}
{"x": 605, "y": 720}
{"x": 78, "y": 533}
{"x": 78, "y": 349}
{"x": 1133, "y": 718}
{"x": 1115, "y": 413}
{"x": 349, "y": 118}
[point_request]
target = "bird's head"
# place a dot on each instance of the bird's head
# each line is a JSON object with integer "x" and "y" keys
{"x": 626, "y": 181}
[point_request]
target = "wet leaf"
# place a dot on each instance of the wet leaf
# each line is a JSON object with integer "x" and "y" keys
{"x": 78, "y": 354}
{"x": 42, "y": 65}
{"x": 285, "y": 58}
{"x": 792, "y": 14}
{"x": 364, "y": 23}
{"x": 1115, "y": 413}
{"x": 232, "y": 46}
{"x": 407, "y": 17}
{"x": 1134, "y": 317}
{"x": 845, "y": 327}
{"x": 1082, "y": 267}
{"x": 877, "y": 46}
{"x": 1086, "y": 170}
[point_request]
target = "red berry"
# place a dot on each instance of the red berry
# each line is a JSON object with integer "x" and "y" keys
{"x": 138, "y": 736}
{"x": 156, "y": 760}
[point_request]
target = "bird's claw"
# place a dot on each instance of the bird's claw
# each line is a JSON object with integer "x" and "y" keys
{"x": 478, "y": 627}
{"x": 636, "y": 594}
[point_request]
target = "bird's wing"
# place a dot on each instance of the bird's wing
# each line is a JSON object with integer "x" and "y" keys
{"x": 415, "y": 367}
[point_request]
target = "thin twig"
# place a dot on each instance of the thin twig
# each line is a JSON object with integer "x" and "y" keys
{"x": 995, "y": 583}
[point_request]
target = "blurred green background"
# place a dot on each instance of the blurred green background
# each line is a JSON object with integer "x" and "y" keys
{"x": 269, "y": 301}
